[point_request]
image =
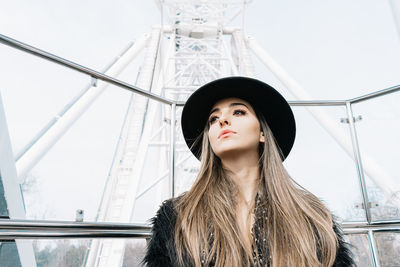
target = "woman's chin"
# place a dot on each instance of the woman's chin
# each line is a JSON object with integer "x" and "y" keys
{"x": 230, "y": 153}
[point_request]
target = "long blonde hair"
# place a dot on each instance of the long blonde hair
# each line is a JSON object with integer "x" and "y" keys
{"x": 296, "y": 225}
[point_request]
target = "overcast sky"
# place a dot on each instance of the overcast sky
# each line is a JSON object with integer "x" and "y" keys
{"x": 334, "y": 49}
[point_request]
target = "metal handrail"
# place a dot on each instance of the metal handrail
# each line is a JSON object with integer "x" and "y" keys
{"x": 72, "y": 65}
{"x": 98, "y": 75}
{"x": 23, "y": 234}
{"x": 375, "y": 94}
{"x": 49, "y": 224}
{"x": 364, "y": 228}
{"x": 43, "y": 229}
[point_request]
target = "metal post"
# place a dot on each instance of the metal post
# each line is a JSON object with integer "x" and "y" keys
{"x": 358, "y": 162}
{"x": 374, "y": 250}
{"x": 172, "y": 151}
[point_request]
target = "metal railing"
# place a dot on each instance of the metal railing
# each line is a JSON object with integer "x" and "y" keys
{"x": 98, "y": 75}
{"x": 45, "y": 229}
{"x": 72, "y": 65}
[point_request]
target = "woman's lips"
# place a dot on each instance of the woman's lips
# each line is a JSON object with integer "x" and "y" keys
{"x": 226, "y": 133}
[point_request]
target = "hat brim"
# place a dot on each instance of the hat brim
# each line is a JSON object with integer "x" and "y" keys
{"x": 263, "y": 98}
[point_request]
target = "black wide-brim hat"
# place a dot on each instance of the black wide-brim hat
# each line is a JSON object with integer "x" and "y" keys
{"x": 262, "y": 97}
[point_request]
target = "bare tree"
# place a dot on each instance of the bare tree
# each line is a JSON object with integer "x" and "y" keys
{"x": 134, "y": 253}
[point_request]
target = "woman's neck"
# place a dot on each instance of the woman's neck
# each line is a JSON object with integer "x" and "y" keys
{"x": 244, "y": 171}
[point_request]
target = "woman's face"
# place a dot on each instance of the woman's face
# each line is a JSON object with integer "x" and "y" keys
{"x": 233, "y": 128}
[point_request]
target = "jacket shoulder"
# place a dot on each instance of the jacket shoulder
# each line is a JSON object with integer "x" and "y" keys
{"x": 161, "y": 247}
{"x": 344, "y": 255}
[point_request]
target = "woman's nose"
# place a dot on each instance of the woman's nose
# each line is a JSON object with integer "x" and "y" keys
{"x": 223, "y": 120}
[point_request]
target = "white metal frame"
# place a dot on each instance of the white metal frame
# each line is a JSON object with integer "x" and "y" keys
{"x": 12, "y": 190}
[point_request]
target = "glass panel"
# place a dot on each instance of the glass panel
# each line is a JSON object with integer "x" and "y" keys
{"x": 186, "y": 165}
{"x": 73, "y": 173}
{"x": 9, "y": 254}
{"x": 135, "y": 250}
{"x": 388, "y": 245}
{"x": 321, "y": 165}
{"x": 155, "y": 188}
{"x": 34, "y": 91}
{"x": 154, "y": 178}
{"x": 60, "y": 252}
{"x": 378, "y": 133}
{"x": 74, "y": 252}
{"x": 361, "y": 249}
{"x": 3, "y": 203}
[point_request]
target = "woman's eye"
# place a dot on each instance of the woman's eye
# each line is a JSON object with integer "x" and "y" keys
{"x": 239, "y": 111}
{"x": 236, "y": 112}
{"x": 212, "y": 119}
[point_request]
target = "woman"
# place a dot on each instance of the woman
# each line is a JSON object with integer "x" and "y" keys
{"x": 243, "y": 209}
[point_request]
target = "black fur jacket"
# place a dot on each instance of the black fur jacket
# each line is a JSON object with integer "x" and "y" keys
{"x": 161, "y": 249}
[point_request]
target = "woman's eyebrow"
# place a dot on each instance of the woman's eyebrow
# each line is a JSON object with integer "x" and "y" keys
{"x": 230, "y": 105}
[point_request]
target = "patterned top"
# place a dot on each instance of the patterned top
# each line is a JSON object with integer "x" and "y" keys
{"x": 259, "y": 241}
